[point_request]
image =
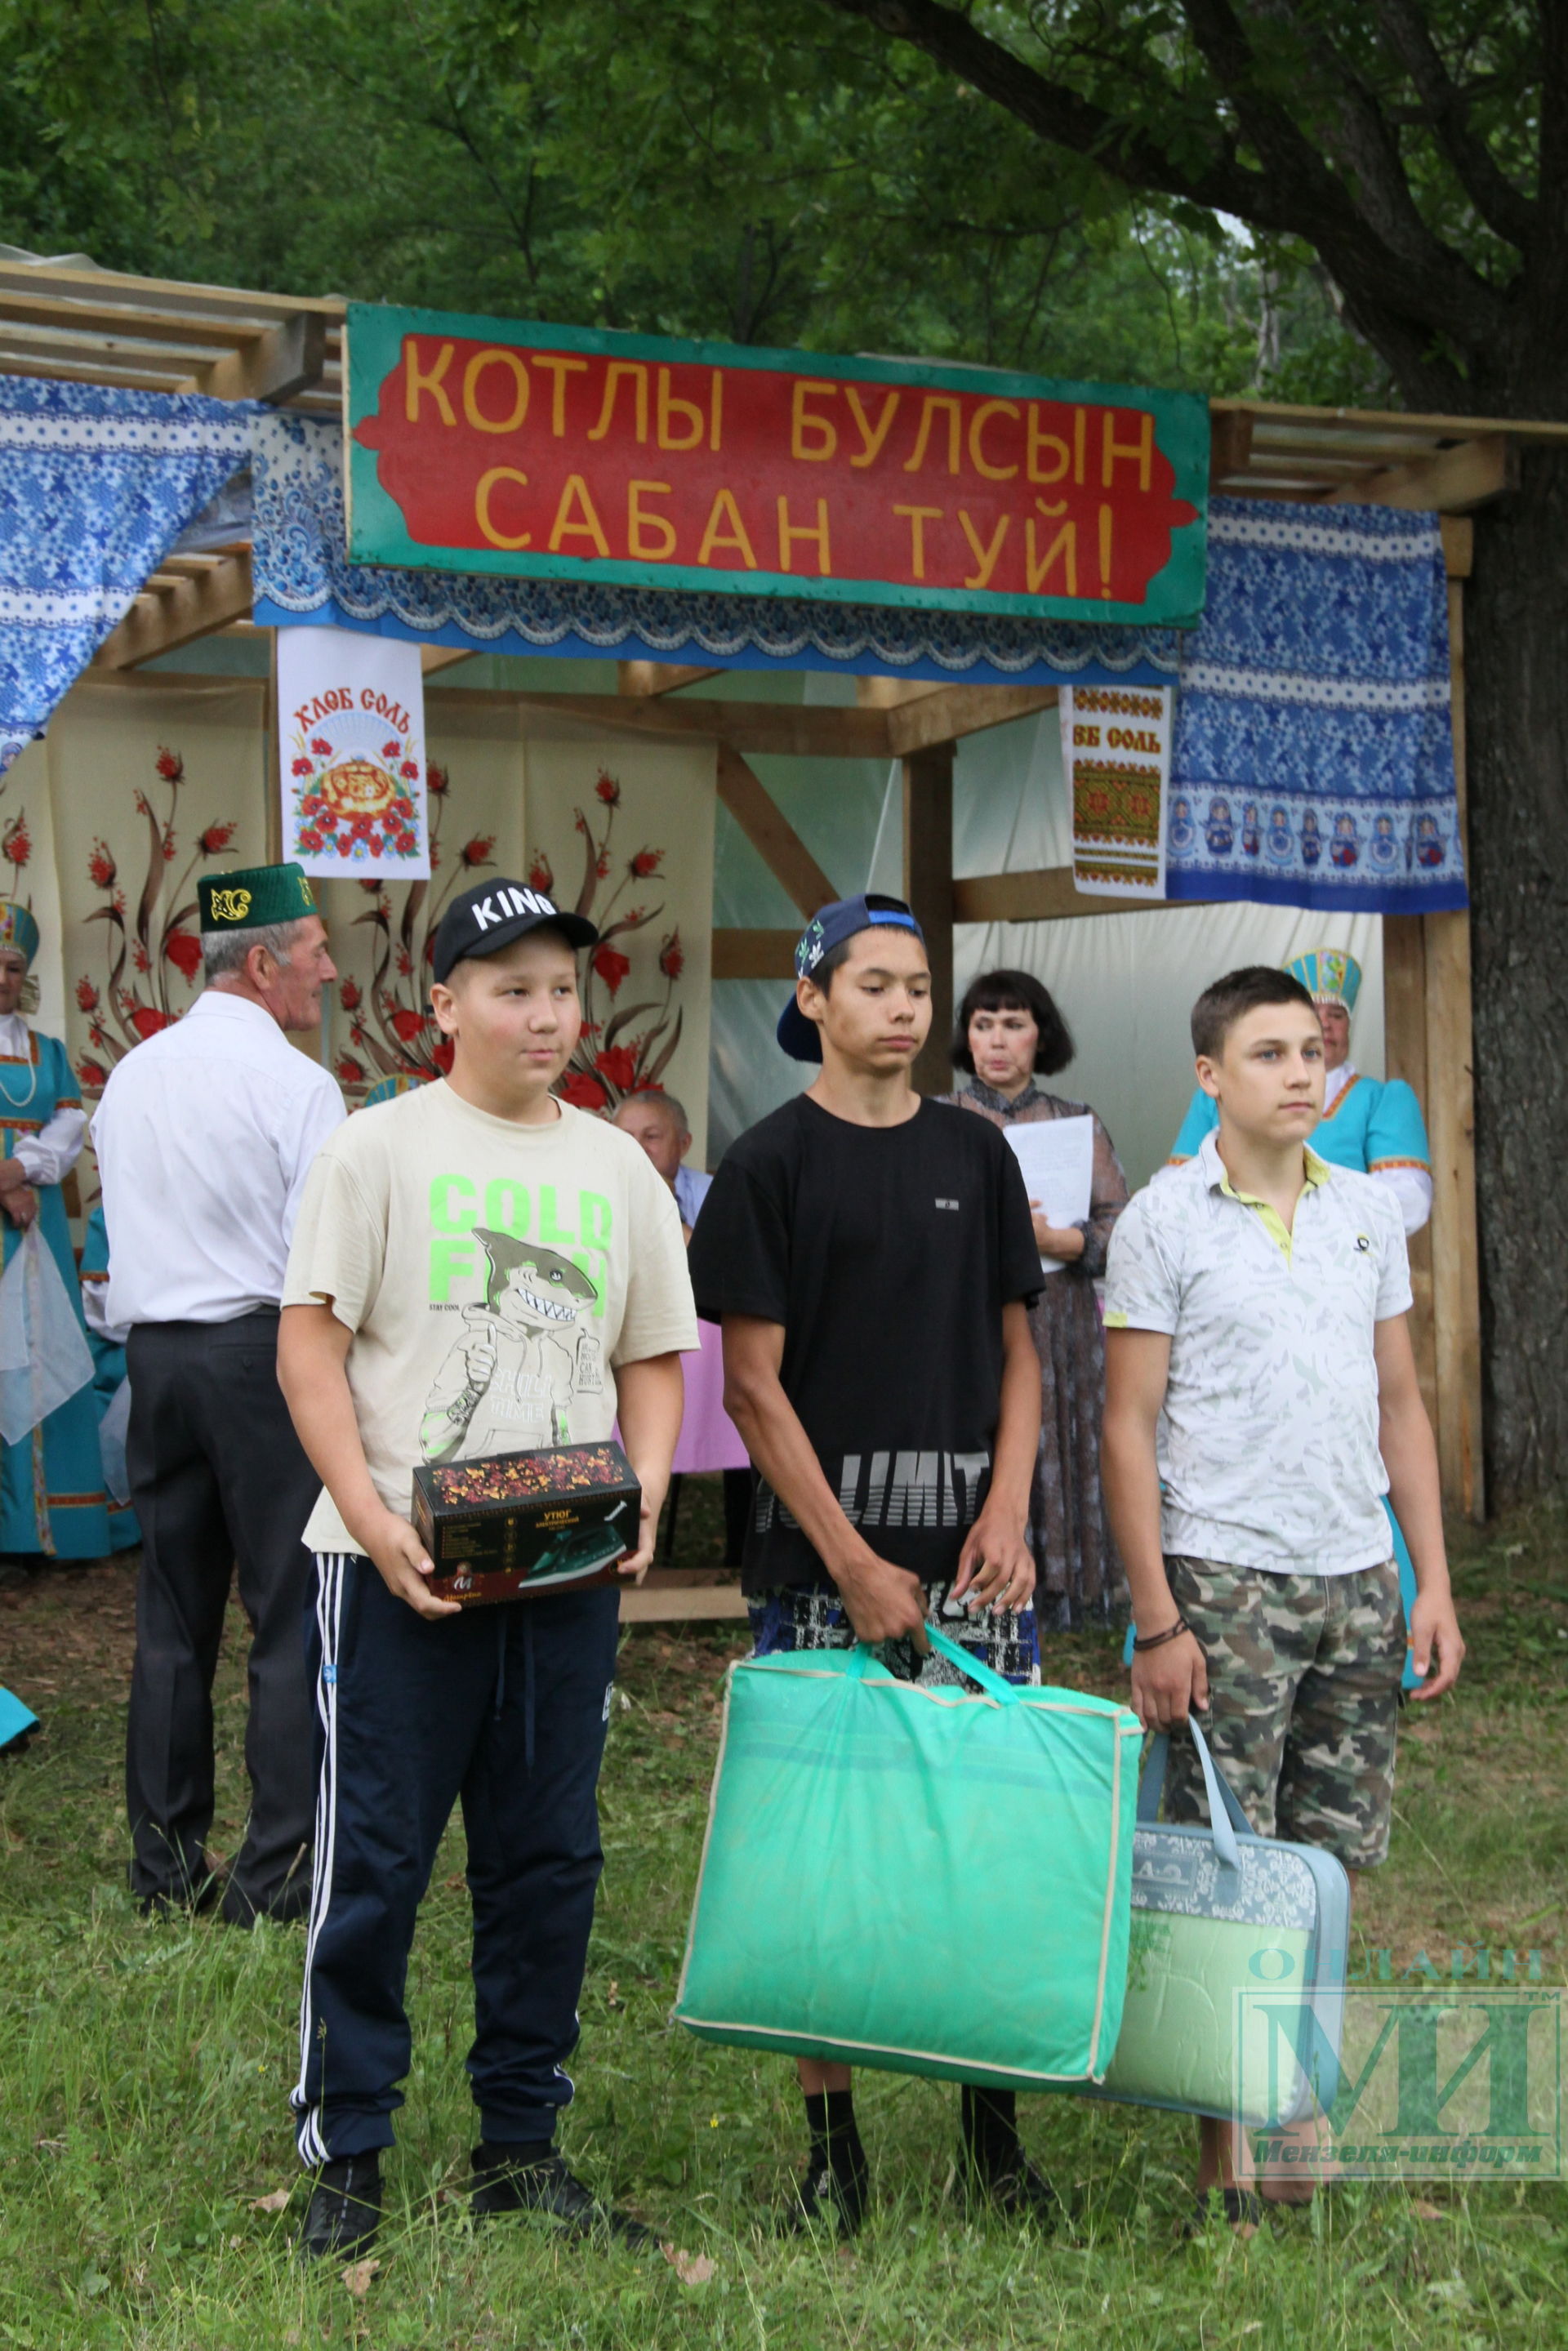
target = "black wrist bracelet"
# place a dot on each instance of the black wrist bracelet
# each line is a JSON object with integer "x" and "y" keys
{"x": 1158, "y": 1640}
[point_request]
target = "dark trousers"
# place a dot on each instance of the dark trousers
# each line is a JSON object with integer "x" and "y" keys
{"x": 503, "y": 1710}
{"x": 218, "y": 1476}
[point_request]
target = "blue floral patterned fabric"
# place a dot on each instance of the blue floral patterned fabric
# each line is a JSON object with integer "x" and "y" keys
{"x": 302, "y": 573}
{"x": 1312, "y": 763}
{"x": 96, "y": 485}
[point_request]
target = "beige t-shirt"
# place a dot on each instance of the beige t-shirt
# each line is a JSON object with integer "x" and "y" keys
{"x": 492, "y": 1277}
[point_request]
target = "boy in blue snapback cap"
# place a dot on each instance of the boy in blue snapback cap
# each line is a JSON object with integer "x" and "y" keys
{"x": 869, "y": 1255}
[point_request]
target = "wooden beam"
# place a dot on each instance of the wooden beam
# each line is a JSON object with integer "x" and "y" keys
{"x": 287, "y": 359}
{"x": 93, "y": 289}
{"x": 793, "y": 730}
{"x": 1405, "y": 1055}
{"x": 754, "y": 954}
{"x": 1046, "y": 894}
{"x": 1458, "y": 545}
{"x": 929, "y": 887}
{"x": 1267, "y": 412}
{"x": 433, "y": 658}
{"x": 955, "y": 711}
{"x": 660, "y": 1602}
{"x": 646, "y": 677}
{"x": 1230, "y": 445}
{"x": 1453, "y": 480}
{"x": 887, "y": 693}
{"x": 771, "y": 834}
{"x": 153, "y": 325}
{"x": 1451, "y": 1119}
{"x": 194, "y": 606}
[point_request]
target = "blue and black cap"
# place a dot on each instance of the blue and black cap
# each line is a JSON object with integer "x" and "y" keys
{"x": 829, "y": 927}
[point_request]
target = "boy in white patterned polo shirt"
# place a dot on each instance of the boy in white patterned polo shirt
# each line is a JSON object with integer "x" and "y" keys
{"x": 1259, "y": 1372}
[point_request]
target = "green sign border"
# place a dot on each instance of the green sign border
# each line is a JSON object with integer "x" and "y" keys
{"x": 377, "y": 533}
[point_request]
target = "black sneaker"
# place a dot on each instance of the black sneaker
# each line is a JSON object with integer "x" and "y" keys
{"x": 345, "y": 2209}
{"x": 503, "y": 2185}
{"x": 184, "y": 1901}
{"x": 824, "y": 2199}
{"x": 1018, "y": 2191}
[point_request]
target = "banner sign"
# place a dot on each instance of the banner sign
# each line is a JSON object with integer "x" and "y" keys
{"x": 351, "y": 740}
{"x": 1116, "y": 753}
{"x": 478, "y": 444}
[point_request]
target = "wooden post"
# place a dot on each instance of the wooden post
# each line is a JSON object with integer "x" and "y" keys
{"x": 1404, "y": 1056}
{"x": 272, "y": 806}
{"x": 1450, "y": 1112}
{"x": 929, "y": 887}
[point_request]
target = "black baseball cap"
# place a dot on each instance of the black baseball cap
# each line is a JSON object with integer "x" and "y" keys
{"x": 829, "y": 927}
{"x": 490, "y": 915}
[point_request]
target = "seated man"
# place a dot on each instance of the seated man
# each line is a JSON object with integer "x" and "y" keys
{"x": 708, "y": 1440}
{"x": 659, "y": 1123}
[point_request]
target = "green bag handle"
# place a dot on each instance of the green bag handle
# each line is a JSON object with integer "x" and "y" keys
{"x": 995, "y": 1686}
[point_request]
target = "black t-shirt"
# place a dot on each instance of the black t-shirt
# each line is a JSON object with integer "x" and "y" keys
{"x": 887, "y": 1253}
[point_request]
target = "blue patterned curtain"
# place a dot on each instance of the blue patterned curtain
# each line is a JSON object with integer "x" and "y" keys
{"x": 1312, "y": 763}
{"x": 96, "y": 485}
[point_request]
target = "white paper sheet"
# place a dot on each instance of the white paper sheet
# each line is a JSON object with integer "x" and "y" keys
{"x": 1057, "y": 1157}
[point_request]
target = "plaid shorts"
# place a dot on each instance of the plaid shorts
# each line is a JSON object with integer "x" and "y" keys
{"x": 1304, "y": 1699}
{"x": 812, "y": 1616}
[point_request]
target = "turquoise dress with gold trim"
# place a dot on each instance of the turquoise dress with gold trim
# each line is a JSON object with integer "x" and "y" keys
{"x": 1375, "y": 1124}
{"x": 51, "y": 1484}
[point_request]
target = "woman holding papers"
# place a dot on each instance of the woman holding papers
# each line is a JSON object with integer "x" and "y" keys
{"x": 1008, "y": 1035}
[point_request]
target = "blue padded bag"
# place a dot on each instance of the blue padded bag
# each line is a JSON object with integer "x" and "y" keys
{"x": 1217, "y": 1911}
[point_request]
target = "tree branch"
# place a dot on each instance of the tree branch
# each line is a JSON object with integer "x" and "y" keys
{"x": 1444, "y": 111}
{"x": 1407, "y": 295}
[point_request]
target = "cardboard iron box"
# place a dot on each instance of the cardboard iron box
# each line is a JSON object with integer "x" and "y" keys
{"x": 515, "y": 1523}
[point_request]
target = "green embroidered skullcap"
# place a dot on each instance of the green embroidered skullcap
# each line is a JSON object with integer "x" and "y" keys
{"x": 254, "y": 898}
{"x": 18, "y": 930}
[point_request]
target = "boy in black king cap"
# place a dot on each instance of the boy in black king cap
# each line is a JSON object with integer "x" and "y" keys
{"x": 477, "y": 1267}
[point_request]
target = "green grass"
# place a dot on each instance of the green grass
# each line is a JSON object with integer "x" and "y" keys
{"x": 144, "y": 2072}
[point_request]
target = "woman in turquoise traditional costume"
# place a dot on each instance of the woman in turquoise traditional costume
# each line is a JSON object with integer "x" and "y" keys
{"x": 1373, "y": 1125}
{"x": 52, "y": 1502}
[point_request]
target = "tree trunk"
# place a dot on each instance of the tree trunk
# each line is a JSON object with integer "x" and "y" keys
{"x": 1516, "y": 647}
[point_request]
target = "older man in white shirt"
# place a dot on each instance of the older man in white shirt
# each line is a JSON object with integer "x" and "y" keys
{"x": 205, "y": 1136}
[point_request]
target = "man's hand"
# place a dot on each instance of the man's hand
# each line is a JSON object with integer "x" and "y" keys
{"x": 405, "y": 1566}
{"x": 1435, "y": 1635}
{"x": 1169, "y": 1683}
{"x": 996, "y": 1566}
{"x": 21, "y": 1205}
{"x": 884, "y": 1602}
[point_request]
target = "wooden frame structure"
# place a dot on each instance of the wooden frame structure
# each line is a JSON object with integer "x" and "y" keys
{"x": 101, "y": 326}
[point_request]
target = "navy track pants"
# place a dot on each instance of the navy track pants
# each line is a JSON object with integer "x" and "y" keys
{"x": 505, "y": 1709}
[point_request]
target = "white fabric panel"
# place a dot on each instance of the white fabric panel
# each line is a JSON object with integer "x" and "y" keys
{"x": 1127, "y": 984}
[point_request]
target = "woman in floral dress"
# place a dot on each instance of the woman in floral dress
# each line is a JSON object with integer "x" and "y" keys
{"x": 1010, "y": 1034}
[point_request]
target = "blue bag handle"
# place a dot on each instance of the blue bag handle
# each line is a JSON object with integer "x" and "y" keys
{"x": 993, "y": 1684}
{"x": 1224, "y": 1815}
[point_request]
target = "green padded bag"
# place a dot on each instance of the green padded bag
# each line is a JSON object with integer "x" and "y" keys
{"x": 928, "y": 1880}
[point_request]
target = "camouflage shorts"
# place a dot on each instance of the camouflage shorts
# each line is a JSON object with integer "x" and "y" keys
{"x": 1303, "y": 1698}
{"x": 812, "y": 1616}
